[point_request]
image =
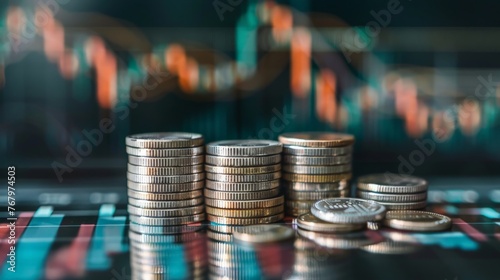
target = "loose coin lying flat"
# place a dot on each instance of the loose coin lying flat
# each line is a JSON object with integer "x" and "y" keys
{"x": 313, "y": 169}
{"x": 404, "y": 206}
{"x": 316, "y": 139}
{"x": 326, "y": 178}
{"x": 263, "y": 233}
{"x": 243, "y": 170}
{"x": 243, "y": 178}
{"x": 242, "y": 161}
{"x": 301, "y": 186}
{"x": 310, "y": 222}
{"x": 416, "y": 220}
{"x": 165, "y": 171}
{"x": 245, "y": 213}
{"x": 169, "y": 161}
{"x": 163, "y": 196}
{"x": 158, "y": 153}
{"x": 165, "y": 204}
{"x": 245, "y": 204}
{"x": 348, "y": 210}
{"x": 384, "y": 197}
{"x": 391, "y": 183}
{"x": 244, "y": 148}
{"x": 316, "y": 152}
{"x": 245, "y": 221}
{"x": 242, "y": 187}
{"x": 164, "y": 140}
{"x": 241, "y": 195}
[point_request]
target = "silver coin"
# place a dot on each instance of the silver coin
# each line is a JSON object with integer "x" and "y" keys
{"x": 165, "y": 229}
{"x": 391, "y": 183}
{"x": 177, "y": 212}
{"x": 179, "y": 179}
{"x": 162, "y": 161}
{"x": 242, "y": 161}
{"x": 165, "y": 204}
{"x": 156, "y": 221}
{"x": 242, "y": 195}
{"x": 165, "y": 188}
{"x": 243, "y": 178}
{"x": 263, "y": 233}
{"x": 312, "y": 169}
{"x": 404, "y": 206}
{"x": 245, "y": 204}
{"x": 316, "y": 152}
{"x": 243, "y": 170}
{"x": 317, "y": 139}
{"x": 158, "y": 153}
{"x": 301, "y": 186}
{"x": 241, "y": 187}
{"x": 348, "y": 210}
{"x": 309, "y": 222}
{"x": 308, "y": 160}
{"x": 315, "y": 195}
{"x": 384, "y": 197}
{"x": 164, "y": 140}
{"x": 165, "y": 171}
{"x": 163, "y": 196}
{"x": 244, "y": 148}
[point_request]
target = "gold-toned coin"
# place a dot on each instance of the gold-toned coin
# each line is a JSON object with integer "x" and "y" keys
{"x": 412, "y": 220}
{"x": 245, "y": 221}
{"x": 313, "y": 169}
{"x": 241, "y": 195}
{"x": 310, "y": 222}
{"x": 317, "y": 139}
{"x": 164, "y": 196}
{"x": 165, "y": 171}
{"x": 295, "y": 195}
{"x": 243, "y": 170}
{"x": 404, "y": 206}
{"x": 316, "y": 152}
{"x": 245, "y": 204}
{"x": 263, "y": 233}
{"x": 245, "y": 213}
{"x": 328, "y": 178}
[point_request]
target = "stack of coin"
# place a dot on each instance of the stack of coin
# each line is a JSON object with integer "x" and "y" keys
{"x": 179, "y": 256}
{"x": 395, "y": 192}
{"x": 315, "y": 166}
{"x": 165, "y": 180}
{"x": 242, "y": 186}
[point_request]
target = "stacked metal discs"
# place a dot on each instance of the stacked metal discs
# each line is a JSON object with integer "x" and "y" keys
{"x": 395, "y": 192}
{"x": 242, "y": 182}
{"x": 315, "y": 166}
{"x": 165, "y": 180}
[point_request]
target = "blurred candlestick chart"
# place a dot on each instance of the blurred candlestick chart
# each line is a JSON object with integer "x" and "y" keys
{"x": 63, "y": 71}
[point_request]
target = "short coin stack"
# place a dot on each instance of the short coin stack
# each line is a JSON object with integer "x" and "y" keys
{"x": 242, "y": 186}
{"x": 395, "y": 192}
{"x": 316, "y": 165}
{"x": 165, "y": 181}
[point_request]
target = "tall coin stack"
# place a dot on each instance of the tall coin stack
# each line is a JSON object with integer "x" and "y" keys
{"x": 316, "y": 165}
{"x": 165, "y": 181}
{"x": 242, "y": 182}
{"x": 395, "y": 192}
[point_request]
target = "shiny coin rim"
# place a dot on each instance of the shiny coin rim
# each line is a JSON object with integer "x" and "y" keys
{"x": 316, "y": 170}
{"x": 152, "y": 140}
{"x": 243, "y": 170}
{"x": 316, "y": 161}
{"x": 317, "y": 139}
{"x": 245, "y": 204}
{"x": 164, "y": 196}
{"x": 159, "y": 153}
{"x": 315, "y": 195}
{"x": 164, "y": 213}
{"x": 325, "y": 178}
{"x": 384, "y": 197}
{"x": 374, "y": 183}
{"x": 404, "y": 205}
{"x": 173, "y": 221}
{"x": 317, "y": 152}
{"x": 248, "y": 178}
{"x": 245, "y": 213}
{"x": 277, "y": 233}
{"x": 241, "y": 195}
{"x": 165, "y": 188}
{"x": 165, "y": 204}
{"x": 239, "y": 148}
{"x": 178, "y": 179}
{"x": 443, "y": 223}
{"x": 342, "y": 217}
{"x": 166, "y": 161}
{"x": 165, "y": 170}
{"x": 310, "y": 187}
{"x": 242, "y": 161}
{"x": 310, "y": 222}
{"x": 245, "y": 221}
{"x": 241, "y": 187}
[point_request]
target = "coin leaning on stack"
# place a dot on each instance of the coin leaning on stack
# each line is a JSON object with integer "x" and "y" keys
{"x": 395, "y": 192}
{"x": 242, "y": 182}
{"x": 165, "y": 181}
{"x": 316, "y": 165}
